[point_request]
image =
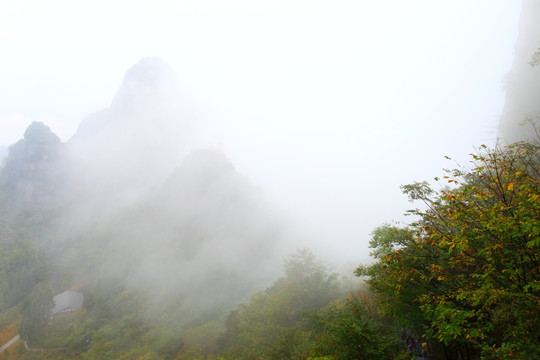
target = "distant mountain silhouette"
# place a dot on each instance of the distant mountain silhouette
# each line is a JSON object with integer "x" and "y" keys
{"x": 523, "y": 81}
{"x": 138, "y": 203}
{"x": 210, "y": 227}
{"x": 31, "y": 173}
{"x": 174, "y": 217}
{"x": 142, "y": 136}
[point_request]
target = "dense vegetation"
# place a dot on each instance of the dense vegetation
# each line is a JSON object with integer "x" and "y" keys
{"x": 464, "y": 276}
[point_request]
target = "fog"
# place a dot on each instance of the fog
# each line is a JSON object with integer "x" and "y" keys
{"x": 519, "y": 119}
{"x": 323, "y": 108}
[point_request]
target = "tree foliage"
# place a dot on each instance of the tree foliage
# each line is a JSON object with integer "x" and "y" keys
{"x": 274, "y": 325}
{"x": 353, "y": 329}
{"x": 467, "y": 273}
{"x": 36, "y": 311}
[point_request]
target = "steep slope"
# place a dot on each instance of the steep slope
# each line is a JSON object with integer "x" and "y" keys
{"x": 136, "y": 219}
{"x": 219, "y": 226}
{"x": 207, "y": 235}
{"x": 523, "y": 81}
{"x": 137, "y": 215}
{"x": 30, "y": 183}
{"x": 31, "y": 170}
{"x": 120, "y": 151}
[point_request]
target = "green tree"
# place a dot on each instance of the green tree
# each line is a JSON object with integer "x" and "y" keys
{"x": 36, "y": 311}
{"x": 353, "y": 329}
{"x": 469, "y": 268}
{"x": 274, "y": 325}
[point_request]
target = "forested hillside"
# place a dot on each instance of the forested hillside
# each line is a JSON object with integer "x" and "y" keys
{"x": 158, "y": 243}
{"x": 463, "y": 277}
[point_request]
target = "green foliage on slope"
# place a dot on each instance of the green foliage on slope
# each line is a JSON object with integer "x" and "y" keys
{"x": 353, "y": 328}
{"x": 304, "y": 315}
{"x": 274, "y": 324}
{"x": 467, "y": 273}
{"x": 35, "y": 312}
{"x": 27, "y": 207}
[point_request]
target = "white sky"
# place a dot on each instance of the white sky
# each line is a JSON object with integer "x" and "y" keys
{"x": 328, "y": 105}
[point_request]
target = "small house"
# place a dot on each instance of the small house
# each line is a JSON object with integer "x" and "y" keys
{"x": 67, "y": 302}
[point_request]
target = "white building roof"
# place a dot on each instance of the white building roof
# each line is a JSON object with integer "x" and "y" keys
{"x": 67, "y": 299}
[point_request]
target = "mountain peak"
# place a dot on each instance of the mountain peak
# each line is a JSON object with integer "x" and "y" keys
{"x": 38, "y": 131}
{"x": 148, "y": 129}
{"x": 149, "y": 70}
{"x": 150, "y": 76}
{"x": 30, "y": 168}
